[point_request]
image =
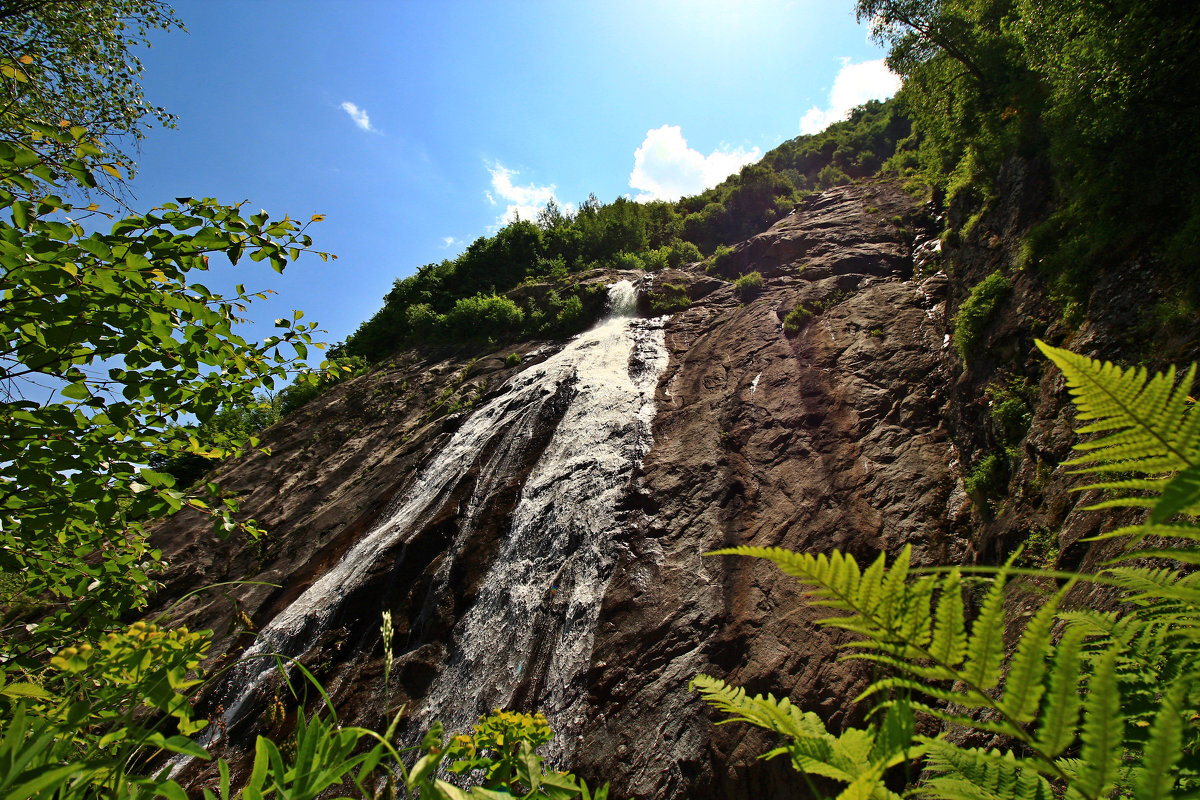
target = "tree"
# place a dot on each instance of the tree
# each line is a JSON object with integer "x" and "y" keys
{"x": 107, "y": 346}
{"x": 74, "y": 60}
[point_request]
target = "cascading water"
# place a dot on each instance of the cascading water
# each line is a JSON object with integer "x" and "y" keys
{"x": 534, "y": 619}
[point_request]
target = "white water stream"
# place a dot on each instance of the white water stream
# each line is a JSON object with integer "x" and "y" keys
{"x": 538, "y": 605}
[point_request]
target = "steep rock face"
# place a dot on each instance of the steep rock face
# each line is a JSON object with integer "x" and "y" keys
{"x": 830, "y": 435}
{"x": 831, "y": 438}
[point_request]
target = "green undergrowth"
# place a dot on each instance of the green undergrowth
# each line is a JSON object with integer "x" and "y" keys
{"x": 668, "y": 299}
{"x": 976, "y": 312}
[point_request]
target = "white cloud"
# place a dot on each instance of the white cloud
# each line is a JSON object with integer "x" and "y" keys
{"x": 449, "y": 241}
{"x": 359, "y": 115}
{"x": 525, "y": 201}
{"x": 665, "y": 168}
{"x": 854, "y": 85}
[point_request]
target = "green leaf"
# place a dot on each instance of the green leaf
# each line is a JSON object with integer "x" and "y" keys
{"x": 1102, "y": 727}
{"x": 76, "y": 391}
{"x": 985, "y": 650}
{"x": 31, "y": 690}
{"x": 1156, "y": 773}
{"x": 1182, "y": 492}
{"x": 1024, "y": 686}
{"x": 949, "y": 643}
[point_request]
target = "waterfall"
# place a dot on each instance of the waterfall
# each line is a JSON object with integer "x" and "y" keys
{"x": 538, "y": 604}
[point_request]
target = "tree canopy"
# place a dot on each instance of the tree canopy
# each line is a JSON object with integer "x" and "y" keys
{"x": 76, "y": 61}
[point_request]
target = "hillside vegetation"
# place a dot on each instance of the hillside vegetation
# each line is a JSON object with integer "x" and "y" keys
{"x": 462, "y": 298}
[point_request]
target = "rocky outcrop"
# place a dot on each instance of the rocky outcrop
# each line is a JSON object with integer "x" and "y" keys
{"x": 829, "y": 438}
{"x": 822, "y": 409}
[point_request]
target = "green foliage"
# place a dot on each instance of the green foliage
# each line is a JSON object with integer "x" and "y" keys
{"x": 115, "y": 322}
{"x": 976, "y": 311}
{"x": 720, "y": 258}
{"x": 1009, "y": 410}
{"x": 670, "y": 298}
{"x": 795, "y": 319}
{"x": 1040, "y": 549}
{"x": 483, "y": 315}
{"x": 1090, "y": 88}
{"x": 988, "y": 477}
{"x": 309, "y": 384}
{"x": 805, "y": 310}
{"x": 502, "y": 750}
{"x": 63, "y": 63}
{"x": 233, "y": 422}
{"x": 1092, "y": 703}
{"x": 512, "y": 359}
{"x": 856, "y": 757}
{"x": 749, "y": 284}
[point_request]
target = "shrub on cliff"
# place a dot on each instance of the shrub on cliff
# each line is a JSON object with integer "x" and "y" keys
{"x": 483, "y": 316}
{"x": 749, "y": 284}
{"x": 976, "y": 311}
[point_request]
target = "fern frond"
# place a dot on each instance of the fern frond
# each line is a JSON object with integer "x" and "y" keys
{"x": 856, "y": 757}
{"x": 1160, "y": 585}
{"x": 767, "y": 712}
{"x": 1166, "y": 530}
{"x": 964, "y": 698}
{"x": 1180, "y": 496}
{"x": 1024, "y": 685}
{"x": 835, "y": 579}
{"x": 1189, "y": 556}
{"x": 1103, "y": 725}
{"x": 972, "y": 774}
{"x": 1060, "y": 711}
{"x": 985, "y": 648}
{"x": 949, "y": 643}
{"x": 890, "y": 612}
{"x": 1154, "y": 778}
{"x": 1150, "y": 425}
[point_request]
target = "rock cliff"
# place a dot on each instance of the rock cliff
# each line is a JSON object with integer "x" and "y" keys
{"x": 825, "y": 408}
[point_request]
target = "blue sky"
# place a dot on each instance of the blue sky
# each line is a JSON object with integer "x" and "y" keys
{"x": 415, "y": 127}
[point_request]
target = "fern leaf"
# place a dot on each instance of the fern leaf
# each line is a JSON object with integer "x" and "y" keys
{"x": 867, "y": 786}
{"x": 1155, "y": 777}
{"x": 766, "y": 712}
{"x": 1060, "y": 715}
{"x": 870, "y": 587}
{"x": 915, "y": 621}
{"x": 949, "y": 644}
{"x": 985, "y": 649}
{"x": 967, "y": 698}
{"x": 1150, "y": 415}
{"x": 828, "y": 575}
{"x": 1157, "y": 584}
{"x": 895, "y": 734}
{"x": 1189, "y": 556}
{"x": 1180, "y": 495}
{"x": 960, "y": 773}
{"x": 1166, "y": 530}
{"x": 1102, "y": 729}
{"x": 996, "y": 725}
{"x": 1024, "y": 686}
